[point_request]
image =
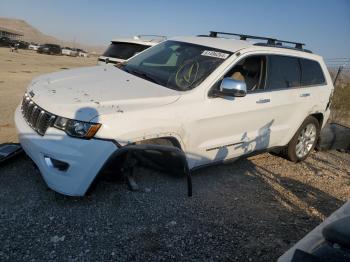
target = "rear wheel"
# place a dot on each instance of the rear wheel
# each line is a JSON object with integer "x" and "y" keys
{"x": 304, "y": 140}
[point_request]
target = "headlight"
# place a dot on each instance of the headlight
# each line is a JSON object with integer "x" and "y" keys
{"x": 77, "y": 128}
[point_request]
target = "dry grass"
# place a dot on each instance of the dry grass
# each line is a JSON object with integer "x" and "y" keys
{"x": 341, "y": 103}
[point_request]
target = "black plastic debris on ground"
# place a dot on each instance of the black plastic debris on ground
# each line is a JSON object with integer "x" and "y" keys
{"x": 334, "y": 136}
{"x": 9, "y": 151}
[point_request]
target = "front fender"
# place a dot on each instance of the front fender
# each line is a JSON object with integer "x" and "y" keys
{"x": 167, "y": 158}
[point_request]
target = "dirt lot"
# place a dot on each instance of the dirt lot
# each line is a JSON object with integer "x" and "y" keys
{"x": 250, "y": 210}
{"x": 16, "y": 71}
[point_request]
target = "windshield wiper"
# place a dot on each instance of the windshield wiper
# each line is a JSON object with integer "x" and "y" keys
{"x": 142, "y": 75}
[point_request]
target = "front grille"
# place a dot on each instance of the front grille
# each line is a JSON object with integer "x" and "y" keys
{"x": 36, "y": 117}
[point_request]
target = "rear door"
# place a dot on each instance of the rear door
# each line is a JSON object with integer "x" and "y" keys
{"x": 312, "y": 96}
{"x": 283, "y": 82}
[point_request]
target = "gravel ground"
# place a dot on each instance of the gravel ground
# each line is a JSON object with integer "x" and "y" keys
{"x": 251, "y": 210}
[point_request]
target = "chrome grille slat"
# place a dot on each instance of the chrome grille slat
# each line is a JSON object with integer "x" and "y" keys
{"x": 36, "y": 117}
{"x": 32, "y": 114}
{"x": 25, "y": 104}
{"x": 40, "y": 116}
{"x": 29, "y": 109}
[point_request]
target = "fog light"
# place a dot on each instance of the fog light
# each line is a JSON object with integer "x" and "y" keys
{"x": 54, "y": 163}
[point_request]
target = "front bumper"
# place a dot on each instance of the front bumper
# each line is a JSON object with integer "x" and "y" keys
{"x": 85, "y": 157}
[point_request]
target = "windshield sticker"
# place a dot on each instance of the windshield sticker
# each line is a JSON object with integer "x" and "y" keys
{"x": 215, "y": 54}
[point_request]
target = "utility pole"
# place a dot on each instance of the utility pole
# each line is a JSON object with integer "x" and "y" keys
{"x": 337, "y": 75}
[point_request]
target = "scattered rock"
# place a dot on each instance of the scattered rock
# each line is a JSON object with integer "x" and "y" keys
{"x": 172, "y": 223}
{"x": 319, "y": 173}
{"x": 56, "y": 239}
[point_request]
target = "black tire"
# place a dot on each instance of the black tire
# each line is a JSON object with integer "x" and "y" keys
{"x": 289, "y": 151}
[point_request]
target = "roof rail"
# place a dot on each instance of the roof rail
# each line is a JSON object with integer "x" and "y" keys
{"x": 270, "y": 41}
{"x": 162, "y": 37}
{"x": 279, "y": 45}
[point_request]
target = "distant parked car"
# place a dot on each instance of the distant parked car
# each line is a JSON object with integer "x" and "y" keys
{"x": 5, "y": 41}
{"x": 82, "y": 53}
{"x": 33, "y": 46}
{"x": 50, "y": 49}
{"x": 69, "y": 51}
{"x": 121, "y": 50}
{"x": 21, "y": 44}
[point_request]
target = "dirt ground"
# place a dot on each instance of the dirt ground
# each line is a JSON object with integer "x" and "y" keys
{"x": 251, "y": 210}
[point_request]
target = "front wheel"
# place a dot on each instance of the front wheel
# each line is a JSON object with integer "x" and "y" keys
{"x": 304, "y": 140}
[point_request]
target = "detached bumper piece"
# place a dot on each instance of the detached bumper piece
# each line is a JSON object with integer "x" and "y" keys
{"x": 9, "y": 151}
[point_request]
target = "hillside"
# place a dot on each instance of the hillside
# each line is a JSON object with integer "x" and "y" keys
{"x": 31, "y": 34}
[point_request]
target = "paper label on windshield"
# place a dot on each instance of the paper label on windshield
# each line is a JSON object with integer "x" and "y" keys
{"x": 215, "y": 54}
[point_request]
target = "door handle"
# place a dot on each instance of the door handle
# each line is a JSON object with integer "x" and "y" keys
{"x": 305, "y": 95}
{"x": 263, "y": 101}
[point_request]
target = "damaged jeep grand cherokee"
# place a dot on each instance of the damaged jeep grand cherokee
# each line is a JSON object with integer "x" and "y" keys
{"x": 183, "y": 104}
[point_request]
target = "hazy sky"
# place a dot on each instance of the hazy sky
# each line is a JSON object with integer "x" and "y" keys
{"x": 323, "y": 25}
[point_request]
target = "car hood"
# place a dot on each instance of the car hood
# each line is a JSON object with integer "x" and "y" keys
{"x": 88, "y": 92}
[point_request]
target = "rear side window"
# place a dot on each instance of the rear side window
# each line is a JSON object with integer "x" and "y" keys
{"x": 123, "y": 50}
{"x": 312, "y": 73}
{"x": 283, "y": 72}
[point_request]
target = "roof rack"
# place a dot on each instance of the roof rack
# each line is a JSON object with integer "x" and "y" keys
{"x": 270, "y": 41}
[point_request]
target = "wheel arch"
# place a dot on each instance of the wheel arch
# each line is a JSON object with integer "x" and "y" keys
{"x": 319, "y": 117}
{"x": 160, "y": 151}
{"x": 162, "y": 140}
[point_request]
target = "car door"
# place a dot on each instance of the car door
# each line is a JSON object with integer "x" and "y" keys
{"x": 312, "y": 95}
{"x": 283, "y": 84}
{"x": 233, "y": 126}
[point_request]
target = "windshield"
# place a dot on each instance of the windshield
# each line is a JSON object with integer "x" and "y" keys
{"x": 176, "y": 65}
{"x": 123, "y": 50}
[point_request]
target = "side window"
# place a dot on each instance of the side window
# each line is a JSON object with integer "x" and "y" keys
{"x": 283, "y": 72}
{"x": 251, "y": 70}
{"x": 312, "y": 73}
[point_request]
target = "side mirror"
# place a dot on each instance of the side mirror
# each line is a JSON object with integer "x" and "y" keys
{"x": 232, "y": 87}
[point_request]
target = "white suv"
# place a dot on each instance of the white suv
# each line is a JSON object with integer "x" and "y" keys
{"x": 121, "y": 49}
{"x": 187, "y": 102}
